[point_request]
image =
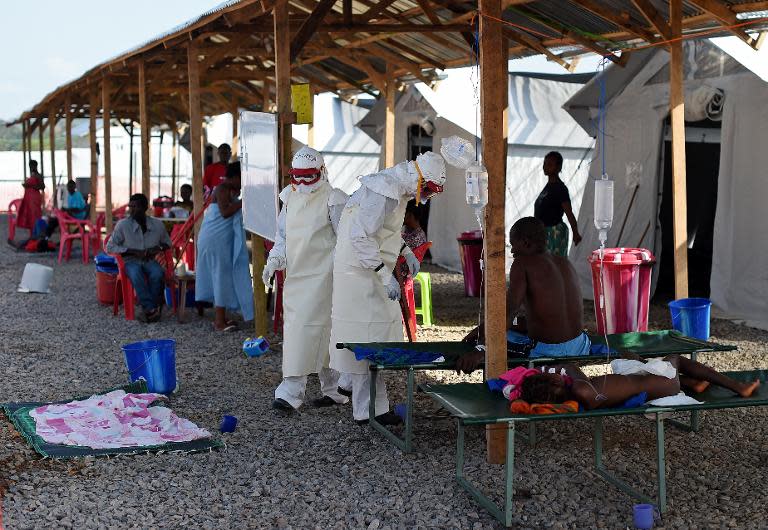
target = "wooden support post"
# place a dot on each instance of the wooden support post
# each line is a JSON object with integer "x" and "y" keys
{"x": 68, "y": 133}
{"x": 311, "y": 135}
{"x": 235, "y": 139}
{"x": 389, "y": 120}
{"x": 493, "y": 81}
{"x": 283, "y": 75}
{"x": 258, "y": 260}
{"x": 52, "y": 147}
{"x": 677, "y": 109}
{"x": 195, "y": 129}
{"x": 41, "y": 142}
{"x": 145, "y": 130}
{"x": 106, "y": 121}
{"x": 174, "y": 158}
{"x": 24, "y": 145}
{"x": 93, "y": 109}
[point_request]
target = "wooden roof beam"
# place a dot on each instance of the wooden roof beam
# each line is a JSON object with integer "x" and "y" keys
{"x": 399, "y": 60}
{"x": 654, "y": 18}
{"x": 722, "y": 14}
{"x": 309, "y": 27}
{"x": 343, "y": 77}
{"x": 620, "y": 19}
{"x": 375, "y": 11}
{"x": 536, "y": 45}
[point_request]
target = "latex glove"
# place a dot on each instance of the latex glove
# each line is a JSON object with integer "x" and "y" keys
{"x": 274, "y": 263}
{"x": 412, "y": 261}
{"x": 390, "y": 283}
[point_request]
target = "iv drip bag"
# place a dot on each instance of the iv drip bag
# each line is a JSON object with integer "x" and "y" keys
{"x": 477, "y": 185}
{"x": 603, "y": 207}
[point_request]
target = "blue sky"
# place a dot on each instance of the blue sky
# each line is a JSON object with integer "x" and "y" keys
{"x": 46, "y": 43}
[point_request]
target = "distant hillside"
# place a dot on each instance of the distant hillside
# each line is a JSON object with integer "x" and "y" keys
{"x": 10, "y": 138}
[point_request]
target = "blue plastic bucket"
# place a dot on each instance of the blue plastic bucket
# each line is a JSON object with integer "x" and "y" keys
{"x": 154, "y": 361}
{"x": 690, "y": 316}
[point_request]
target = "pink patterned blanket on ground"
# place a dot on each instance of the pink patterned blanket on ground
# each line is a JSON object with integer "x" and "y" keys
{"x": 113, "y": 420}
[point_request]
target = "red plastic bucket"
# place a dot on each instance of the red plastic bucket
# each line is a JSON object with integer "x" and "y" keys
{"x": 105, "y": 287}
{"x": 625, "y": 289}
{"x": 471, "y": 251}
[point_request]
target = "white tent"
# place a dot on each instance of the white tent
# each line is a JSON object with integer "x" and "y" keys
{"x": 637, "y": 107}
{"x": 537, "y": 125}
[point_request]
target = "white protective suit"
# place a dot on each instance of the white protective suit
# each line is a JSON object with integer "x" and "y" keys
{"x": 369, "y": 237}
{"x": 304, "y": 245}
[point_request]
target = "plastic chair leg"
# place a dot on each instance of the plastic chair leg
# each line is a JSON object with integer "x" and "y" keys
{"x": 425, "y": 307}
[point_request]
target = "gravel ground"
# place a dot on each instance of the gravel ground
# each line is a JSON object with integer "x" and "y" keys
{"x": 319, "y": 469}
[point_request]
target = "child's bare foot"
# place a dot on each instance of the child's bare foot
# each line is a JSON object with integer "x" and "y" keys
{"x": 747, "y": 389}
{"x": 696, "y": 385}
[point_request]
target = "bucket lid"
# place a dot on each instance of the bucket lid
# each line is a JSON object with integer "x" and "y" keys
{"x": 624, "y": 256}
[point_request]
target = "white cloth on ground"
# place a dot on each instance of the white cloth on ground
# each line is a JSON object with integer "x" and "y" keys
{"x": 293, "y": 388}
{"x": 652, "y": 367}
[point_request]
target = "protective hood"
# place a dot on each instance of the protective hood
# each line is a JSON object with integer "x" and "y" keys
{"x": 402, "y": 180}
{"x": 307, "y": 170}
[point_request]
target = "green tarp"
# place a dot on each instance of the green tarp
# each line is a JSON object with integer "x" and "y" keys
{"x": 18, "y": 413}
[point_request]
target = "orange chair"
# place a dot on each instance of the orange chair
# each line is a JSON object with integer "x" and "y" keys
{"x": 124, "y": 289}
{"x": 13, "y": 210}
{"x": 70, "y": 230}
{"x": 406, "y": 291}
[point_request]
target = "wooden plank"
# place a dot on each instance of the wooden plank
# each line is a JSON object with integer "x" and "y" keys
{"x": 52, "y": 147}
{"x": 174, "y": 158}
{"x": 235, "y": 138}
{"x": 106, "y": 113}
{"x": 93, "y": 106}
{"x": 722, "y": 14}
{"x": 347, "y": 11}
{"x": 41, "y": 142}
{"x": 617, "y": 18}
{"x": 309, "y": 27}
{"x": 195, "y": 130}
{"x": 146, "y": 130}
{"x": 68, "y": 135}
{"x": 389, "y": 120}
{"x": 377, "y": 9}
{"x": 677, "y": 113}
{"x": 399, "y": 60}
{"x": 653, "y": 17}
{"x": 493, "y": 81}
{"x": 535, "y": 44}
{"x": 283, "y": 84}
{"x": 258, "y": 261}
{"x": 24, "y": 145}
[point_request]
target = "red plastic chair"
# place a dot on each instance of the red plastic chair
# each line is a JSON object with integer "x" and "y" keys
{"x": 124, "y": 291}
{"x": 406, "y": 291}
{"x": 70, "y": 230}
{"x": 13, "y": 210}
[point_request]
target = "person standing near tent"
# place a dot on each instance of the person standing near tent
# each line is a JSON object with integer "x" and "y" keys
{"x": 554, "y": 201}
{"x": 223, "y": 275}
{"x": 365, "y": 291}
{"x": 215, "y": 173}
{"x": 31, "y": 207}
{"x": 304, "y": 243}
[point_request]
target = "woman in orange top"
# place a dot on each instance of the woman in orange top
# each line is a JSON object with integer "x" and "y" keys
{"x": 31, "y": 207}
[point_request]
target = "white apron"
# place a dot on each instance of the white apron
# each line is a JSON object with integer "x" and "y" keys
{"x": 362, "y": 311}
{"x": 309, "y": 244}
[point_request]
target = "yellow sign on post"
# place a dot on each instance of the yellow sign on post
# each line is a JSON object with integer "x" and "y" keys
{"x": 301, "y": 103}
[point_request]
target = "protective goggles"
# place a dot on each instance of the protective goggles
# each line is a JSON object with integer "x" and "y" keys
{"x": 305, "y": 177}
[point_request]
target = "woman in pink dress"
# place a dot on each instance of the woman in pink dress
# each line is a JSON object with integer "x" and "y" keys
{"x": 31, "y": 207}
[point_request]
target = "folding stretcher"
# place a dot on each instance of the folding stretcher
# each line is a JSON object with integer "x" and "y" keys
{"x": 399, "y": 356}
{"x": 474, "y": 404}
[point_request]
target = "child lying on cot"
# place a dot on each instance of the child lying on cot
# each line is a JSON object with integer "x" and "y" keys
{"x": 606, "y": 391}
{"x": 546, "y": 289}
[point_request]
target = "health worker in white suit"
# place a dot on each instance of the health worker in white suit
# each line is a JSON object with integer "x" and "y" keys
{"x": 304, "y": 246}
{"x": 365, "y": 292}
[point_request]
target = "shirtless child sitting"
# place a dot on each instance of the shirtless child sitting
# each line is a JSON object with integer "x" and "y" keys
{"x": 606, "y": 391}
{"x": 546, "y": 289}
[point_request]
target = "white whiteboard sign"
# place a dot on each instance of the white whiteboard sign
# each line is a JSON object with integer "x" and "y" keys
{"x": 258, "y": 147}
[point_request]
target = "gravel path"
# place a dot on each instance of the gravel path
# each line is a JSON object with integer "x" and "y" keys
{"x": 319, "y": 469}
